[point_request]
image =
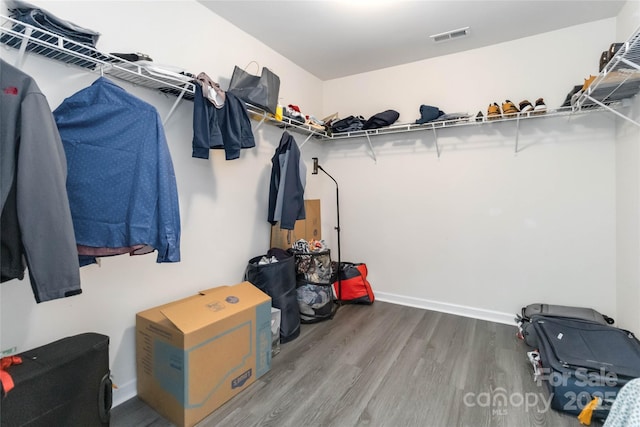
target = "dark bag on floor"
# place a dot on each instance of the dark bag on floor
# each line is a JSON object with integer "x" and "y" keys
{"x": 315, "y": 302}
{"x": 313, "y": 267}
{"x": 353, "y": 287}
{"x": 528, "y": 333}
{"x": 583, "y": 359}
{"x": 278, "y": 280}
{"x": 261, "y": 91}
{"x": 64, "y": 383}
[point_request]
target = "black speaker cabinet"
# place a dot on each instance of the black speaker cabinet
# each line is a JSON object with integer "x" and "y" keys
{"x": 64, "y": 383}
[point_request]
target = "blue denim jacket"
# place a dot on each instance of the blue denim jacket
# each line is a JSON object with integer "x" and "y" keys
{"x": 121, "y": 183}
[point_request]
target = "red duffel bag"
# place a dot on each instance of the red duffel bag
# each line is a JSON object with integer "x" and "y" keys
{"x": 353, "y": 288}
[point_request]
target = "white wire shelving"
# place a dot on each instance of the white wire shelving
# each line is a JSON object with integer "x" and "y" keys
{"x": 618, "y": 81}
{"x": 27, "y": 38}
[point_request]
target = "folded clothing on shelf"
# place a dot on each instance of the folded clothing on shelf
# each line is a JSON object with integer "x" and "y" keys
{"x": 446, "y": 117}
{"x": 43, "y": 19}
{"x": 159, "y": 70}
{"x": 428, "y": 113}
{"x": 348, "y": 124}
{"x": 133, "y": 57}
{"x": 46, "y": 21}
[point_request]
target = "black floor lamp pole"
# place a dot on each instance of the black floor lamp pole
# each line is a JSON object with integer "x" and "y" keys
{"x": 317, "y": 167}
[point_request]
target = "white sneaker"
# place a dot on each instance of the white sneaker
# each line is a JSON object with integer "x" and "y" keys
{"x": 540, "y": 107}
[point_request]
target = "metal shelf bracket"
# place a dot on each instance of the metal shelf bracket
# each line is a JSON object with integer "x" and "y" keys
{"x": 371, "y": 148}
{"x": 606, "y": 107}
{"x": 174, "y": 106}
{"x": 307, "y": 139}
{"x": 517, "y": 133}
{"x": 23, "y": 47}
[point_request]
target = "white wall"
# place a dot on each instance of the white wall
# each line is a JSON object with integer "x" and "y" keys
{"x": 628, "y": 195}
{"x": 546, "y": 65}
{"x": 481, "y": 231}
{"x": 223, "y": 204}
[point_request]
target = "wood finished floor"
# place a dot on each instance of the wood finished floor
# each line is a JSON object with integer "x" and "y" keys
{"x": 390, "y": 366}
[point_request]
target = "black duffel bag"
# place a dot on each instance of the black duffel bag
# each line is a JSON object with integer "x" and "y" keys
{"x": 278, "y": 280}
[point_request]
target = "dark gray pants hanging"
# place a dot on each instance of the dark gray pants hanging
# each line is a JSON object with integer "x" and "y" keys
{"x": 278, "y": 280}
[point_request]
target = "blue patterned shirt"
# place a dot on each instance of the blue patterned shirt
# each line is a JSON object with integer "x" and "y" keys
{"x": 121, "y": 183}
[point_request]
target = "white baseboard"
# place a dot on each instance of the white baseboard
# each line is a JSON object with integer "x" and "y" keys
{"x": 124, "y": 392}
{"x": 460, "y": 310}
{"x": 128, "y": 390}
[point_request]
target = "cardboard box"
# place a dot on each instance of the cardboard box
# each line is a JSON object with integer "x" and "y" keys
{"x": 194, "y": 354}
{"x": 308, "y": 229}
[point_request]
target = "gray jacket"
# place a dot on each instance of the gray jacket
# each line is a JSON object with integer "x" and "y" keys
{"x": 35, "y": 225}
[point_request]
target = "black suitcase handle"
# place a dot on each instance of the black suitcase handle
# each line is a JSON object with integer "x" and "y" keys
{"x": 105, "y": 398}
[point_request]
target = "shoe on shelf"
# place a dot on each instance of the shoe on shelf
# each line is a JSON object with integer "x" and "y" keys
{"x": 479, "y": 116}
{"x": 569, "y": 99}
{"x": 493, "y": 112}
{"x": 525, "y": 106}
{"x": 509, "y": 108}
{"x": 540, "y": 107}
{"x": 587, "y": 82}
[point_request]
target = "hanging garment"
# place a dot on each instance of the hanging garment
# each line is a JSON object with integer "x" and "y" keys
{"x": 225, "y": 126}
{"x": 211, "y": 90}
{"x": 36, "y": 221}
{"x": 121, "y": 184}
{"x": 288, "y": 179}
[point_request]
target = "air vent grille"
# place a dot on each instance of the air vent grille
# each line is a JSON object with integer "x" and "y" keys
{"x": 450, "y": 35}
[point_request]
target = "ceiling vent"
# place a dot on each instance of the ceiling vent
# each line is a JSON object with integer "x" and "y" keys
{"x": 450, "y": 35}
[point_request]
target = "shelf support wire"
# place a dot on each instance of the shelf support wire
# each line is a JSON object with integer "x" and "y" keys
{"x": 435, "y": 139}
{"x": 517, "y": 132}
{"x": 264, "y": 117}
{"x": 173, "y": 107}
{"x": 23, "y": 47}
{"x": 307, "y": 139}
{"x": 629, "y": 63}
{"x": 371, "y": 148}
{"x": 612, "y": 110}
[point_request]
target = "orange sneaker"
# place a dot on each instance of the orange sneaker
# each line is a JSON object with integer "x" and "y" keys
{"x": 587, "y": 82}
{"x": 509, "y": 108}
{"x": 493, "y": 112}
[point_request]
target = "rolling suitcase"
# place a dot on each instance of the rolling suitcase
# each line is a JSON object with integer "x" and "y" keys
{"x": 527, "y": 332}
{"x": 583, "y": 359}
{"x": 63, "y": 383}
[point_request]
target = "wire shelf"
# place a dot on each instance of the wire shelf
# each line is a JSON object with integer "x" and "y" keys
{"x": 470, "y": 121}
{"x": 619, "y": 80}
{"x": 27, "y": 38}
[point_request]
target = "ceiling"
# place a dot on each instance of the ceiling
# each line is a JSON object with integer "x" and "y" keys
{"x": 332, "y": 39}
